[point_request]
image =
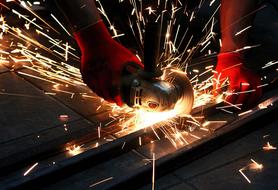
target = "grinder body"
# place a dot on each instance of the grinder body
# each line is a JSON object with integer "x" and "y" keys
{"x": 146, "y": 90}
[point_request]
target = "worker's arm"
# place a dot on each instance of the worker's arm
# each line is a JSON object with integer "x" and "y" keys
{"x": 103, "y": 59}
{"x": 79, "y": 13}
{"x": 235, "y": 15}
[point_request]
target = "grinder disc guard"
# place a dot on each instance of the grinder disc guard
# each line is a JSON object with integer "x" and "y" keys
{"x": 183, "y": 88}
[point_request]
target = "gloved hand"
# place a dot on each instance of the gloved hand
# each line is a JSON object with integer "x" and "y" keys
{"x": 241, "y": 80}
{"x": 103, "y": 60}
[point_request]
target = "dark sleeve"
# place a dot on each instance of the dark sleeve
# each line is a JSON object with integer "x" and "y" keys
{"x": 78, "y": 13}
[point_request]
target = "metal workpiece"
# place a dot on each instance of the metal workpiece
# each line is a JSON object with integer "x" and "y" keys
{"x": 143, "y": 144}
{"x": 168, "y": 159}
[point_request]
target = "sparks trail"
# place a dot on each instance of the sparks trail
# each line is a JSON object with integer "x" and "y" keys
{"x": 57, "y": 71}
{"x": 158, "y": 161}
{"x": 50, "y": 60}
{"x": 26, "y": 49}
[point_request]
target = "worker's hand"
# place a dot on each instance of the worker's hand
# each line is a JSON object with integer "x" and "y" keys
{"x": 103, "y": 61}
{"x": 243, "y": 83}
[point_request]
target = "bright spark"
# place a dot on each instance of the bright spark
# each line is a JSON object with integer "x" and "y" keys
{"x": 255, "y": 165}
{"x": 247, "y": 179}
{"x": 30, "y": 169}
{"x": 74, "y": 150}
{"x": 268, "y": 146}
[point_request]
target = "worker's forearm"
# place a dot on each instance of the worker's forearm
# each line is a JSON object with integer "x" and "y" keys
{"x": 79, "y": 13}
{"x": 235, "y": 15}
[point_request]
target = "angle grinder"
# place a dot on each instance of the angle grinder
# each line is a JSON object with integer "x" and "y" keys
{"x": 151, "y": 89}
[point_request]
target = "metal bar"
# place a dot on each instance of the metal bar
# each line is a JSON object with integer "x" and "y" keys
{"x": 196, "y": 150}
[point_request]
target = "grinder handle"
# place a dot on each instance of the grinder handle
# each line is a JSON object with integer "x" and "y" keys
{"x": 151, "y": 48}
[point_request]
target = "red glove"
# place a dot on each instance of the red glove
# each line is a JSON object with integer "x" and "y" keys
{"x": 241, "y": 80}
{"x": 103, "y": 60}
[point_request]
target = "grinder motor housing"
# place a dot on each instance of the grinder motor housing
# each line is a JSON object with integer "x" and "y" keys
{"x": 145, "y": 89}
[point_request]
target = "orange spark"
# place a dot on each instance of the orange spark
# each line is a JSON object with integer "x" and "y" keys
{"x": 268, "y": 146}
